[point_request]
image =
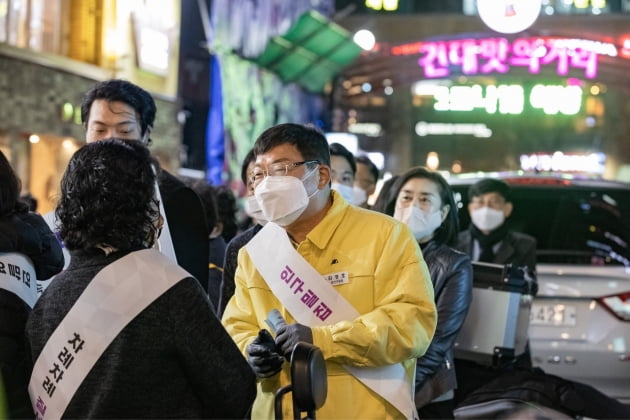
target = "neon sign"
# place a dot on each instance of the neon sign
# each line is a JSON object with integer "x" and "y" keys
{"x": 507, "y": 99}
{"x": 564, "y": 162}
{"x": 499, "y": 55}
{"x": 424, "y": 128}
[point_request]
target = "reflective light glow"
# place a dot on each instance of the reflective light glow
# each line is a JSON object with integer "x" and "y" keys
{"x": 369, "y": 129}
{"x": 364, "y": 39}
{"x": 433, "y": 161}
{"x": 424, "y": 128}
{"x": 348, "y": 140}
{"x": 33, "y": 138}
{"x": 561, "y": 162}
{"x": 154, "y": 50}
{"x": 68, "y": 144}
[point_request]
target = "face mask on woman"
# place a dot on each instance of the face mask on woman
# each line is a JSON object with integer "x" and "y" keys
{"x": 422, "y": 224}
{"x": 343, "y": 189}
{"x": 486, "y": 218}
{"x": 284, "y": 198}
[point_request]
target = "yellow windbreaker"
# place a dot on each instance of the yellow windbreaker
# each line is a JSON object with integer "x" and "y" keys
{"x": 388, "y": 285}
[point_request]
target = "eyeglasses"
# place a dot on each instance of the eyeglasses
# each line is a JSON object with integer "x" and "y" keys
{"x": 276, "y": 169}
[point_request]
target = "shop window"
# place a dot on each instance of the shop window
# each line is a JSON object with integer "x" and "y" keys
{"x": 32, "y": 24}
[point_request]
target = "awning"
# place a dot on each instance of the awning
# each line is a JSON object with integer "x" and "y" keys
{"x": 311, "y": 53}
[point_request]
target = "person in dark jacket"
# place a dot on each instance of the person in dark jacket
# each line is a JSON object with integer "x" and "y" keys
{"x": 217, "y": 244}
{"x": 24, "y": 232}
{"x": 489, "y": 238}
{"x": 171, "y": 360}
{"x": 118, "y": 108}
{"x": 231, "y": 252}
{"x": 423, "y": 200}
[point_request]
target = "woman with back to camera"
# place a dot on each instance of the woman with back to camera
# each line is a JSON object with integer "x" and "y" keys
{"x": 423, "y": 200}
{"x": 169, "y": 356}
{"x": 22, "y": 232}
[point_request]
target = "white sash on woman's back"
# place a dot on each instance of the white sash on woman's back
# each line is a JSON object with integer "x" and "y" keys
{"x": 114, "y": 297}
{"x": 313, "y": 301}
{"x": 17, "y": 275}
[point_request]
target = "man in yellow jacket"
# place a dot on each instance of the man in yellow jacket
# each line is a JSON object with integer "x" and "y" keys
{"x": 348, "y": 280}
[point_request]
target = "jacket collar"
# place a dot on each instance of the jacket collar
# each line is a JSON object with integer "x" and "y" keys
{"x": 321, "y": 235}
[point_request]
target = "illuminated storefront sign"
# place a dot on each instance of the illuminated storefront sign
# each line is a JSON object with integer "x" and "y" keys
{"x": 369, "y": 129}
{"x": 507, "y": 99}
{"x": 499, "y": 55}
{"x": 424, "y": 128}
{"x": 593, "y": 163}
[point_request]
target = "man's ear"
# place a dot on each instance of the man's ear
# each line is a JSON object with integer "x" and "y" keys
{"x": 507, "y": 209}
{"x": 217, "y": 230}
{"x": 145, "y": 137}
{"x": 324, "y": 176}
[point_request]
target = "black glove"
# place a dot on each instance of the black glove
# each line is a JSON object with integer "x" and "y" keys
{"x": 263, "y": 356}
{"x": 288, "y": 336}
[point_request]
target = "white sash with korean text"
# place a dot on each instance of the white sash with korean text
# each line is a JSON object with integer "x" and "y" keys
{"x": 17, "y": 275}
{"x": 312, "y": 301}
{"x": 116, "y": 295}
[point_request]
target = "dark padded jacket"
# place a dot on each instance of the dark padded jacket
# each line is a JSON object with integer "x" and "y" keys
{"x": 451, "y": 275}
{"x": 28, "y": 234}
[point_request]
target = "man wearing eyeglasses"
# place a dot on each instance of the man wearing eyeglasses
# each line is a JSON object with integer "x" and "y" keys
{"x": 347, "y": 280}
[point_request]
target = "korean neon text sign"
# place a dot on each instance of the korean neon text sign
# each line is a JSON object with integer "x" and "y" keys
{"x": 498, "y": 55}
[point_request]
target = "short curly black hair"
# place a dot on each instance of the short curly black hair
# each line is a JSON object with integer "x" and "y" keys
{"x": 108, "y": 197}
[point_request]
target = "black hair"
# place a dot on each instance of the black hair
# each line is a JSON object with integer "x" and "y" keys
{"x": 447, "y": 232}
{"x": 490, "y": 185}
{"x": 208, "y": 196}
{"x": 10, "y": 186}
{"x": 226, "y": 209}
{"x": 371, "y": 166}
{"x": 383, "y": 195}
{"x": 117, "y": 90}
{"x": 30, "y": 201}
{"x": 249, "y": 158}
{"x": 108, "y": 197}
{"x": 337, "y": 149}
{"x": 309, "y": 142}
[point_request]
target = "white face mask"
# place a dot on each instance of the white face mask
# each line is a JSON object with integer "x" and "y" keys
{"x": 421, "y": 224}
{"x": 283, "y": 198}
{"x": 343, "y": 189}
{"x": 486, "y": 218}
{"x": 253, "y": 210}
{"x": 359, "y": 196}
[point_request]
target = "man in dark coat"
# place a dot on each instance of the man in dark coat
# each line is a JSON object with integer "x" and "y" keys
{"x": 488, "y": 237}
{"x": 118, "y": 108}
